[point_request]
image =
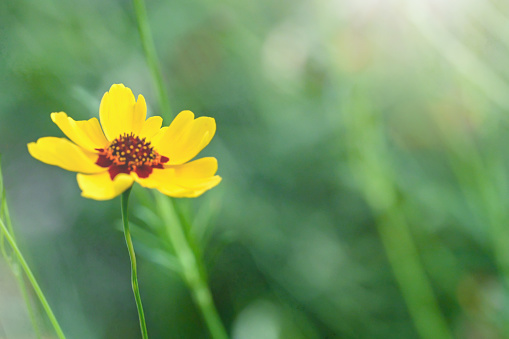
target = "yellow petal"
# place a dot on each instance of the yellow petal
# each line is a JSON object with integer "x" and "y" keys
{"x": 63, "y": 153}
{"x": 150, "y": 127}
{"x": 140, "y": 114}
{"x": 101, "y": 187}
{"x": 188, "y": 180}
{"x": 87, "y": 134}
{"x": 120, "y": 113}
{"x": 185, "y": 137}
{"x": 157, "y": 138}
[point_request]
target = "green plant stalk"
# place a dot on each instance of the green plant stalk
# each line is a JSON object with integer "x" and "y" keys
{"x": 14, "y": 265}
{"x": 471, "y": 172}
{"x": 151, "y": 56}
{"x": 132, "y": 256}
{"x": 483, "y": 191}
{"x": 26, "y": 298}
{"x": 370, "y": 167}
{"x": 32, "y": 280}
{"x": 403, "y": 255}
{"x": 410, "y": 275}
{"x": 5, "y": 216}
{"x": 190, "y": 263}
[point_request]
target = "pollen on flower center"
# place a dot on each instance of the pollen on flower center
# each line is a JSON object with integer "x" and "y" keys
{"x": 131, "y": 150}
{"x": 129, "y": 153}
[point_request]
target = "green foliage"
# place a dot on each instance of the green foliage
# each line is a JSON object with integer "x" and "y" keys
{"x": 336, "y": 120}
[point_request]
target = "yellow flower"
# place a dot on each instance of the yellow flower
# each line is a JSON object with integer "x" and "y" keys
{"x": 129, "y": 148}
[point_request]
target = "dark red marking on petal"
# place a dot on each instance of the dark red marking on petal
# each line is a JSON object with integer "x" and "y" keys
{"x": 116, "y": 170}
{"x": 104, "y": 161}
{"x": 143, "y": 171}
{"x": 129, "y": 153}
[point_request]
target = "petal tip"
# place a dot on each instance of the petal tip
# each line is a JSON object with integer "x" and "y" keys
{"x": 30, "y": 147}
{"x": 101, "y": 187}
{"x": 184, "y": 113}
{"x": 56, "y": 115}
{"x": 117, "y": 86}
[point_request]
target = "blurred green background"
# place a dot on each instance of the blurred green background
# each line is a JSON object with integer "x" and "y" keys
{"x": 362, "y": 145}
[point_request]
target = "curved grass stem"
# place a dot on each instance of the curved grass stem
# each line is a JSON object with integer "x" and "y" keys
{"x": 28, "y": 303}
{"x": 13, "y": 263}
{"x": 410, "y": 275}
{"x": 368, "y": 159}
{"x": 191, "y": 264}
{"x": 132, "y": 256}
{"x": 32, "y": 280}
{"x": 151, "y": 56}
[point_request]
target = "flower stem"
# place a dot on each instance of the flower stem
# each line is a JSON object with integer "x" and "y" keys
{"x": 151, "y": 55}
{"x": 190, "y": 263}
{"x": 132, "y": 256}
{"x": 32, "y": 280}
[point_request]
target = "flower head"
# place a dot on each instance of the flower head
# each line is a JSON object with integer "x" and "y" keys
{"x": 130, "y": 148}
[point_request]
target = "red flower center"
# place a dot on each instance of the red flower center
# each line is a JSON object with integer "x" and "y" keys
{"x": 129, "y": 153}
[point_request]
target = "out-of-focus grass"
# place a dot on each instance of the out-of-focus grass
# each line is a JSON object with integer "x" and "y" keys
{"x": 293, "y": 249}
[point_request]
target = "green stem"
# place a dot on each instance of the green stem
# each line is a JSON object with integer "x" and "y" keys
{"x": 368, "y": 157}
{"x": 485, "y": 196}
{"x": 193, "y": 276}
{"x": 191, "y": 264}
{"x": 26, "y": 298}
{"x": 151, "y": 55}
{"x": 132, "y": 256}
{"x": 32, "y": 280}
{"x": 4, "y": 215}
{"x": 410, "y": 275}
